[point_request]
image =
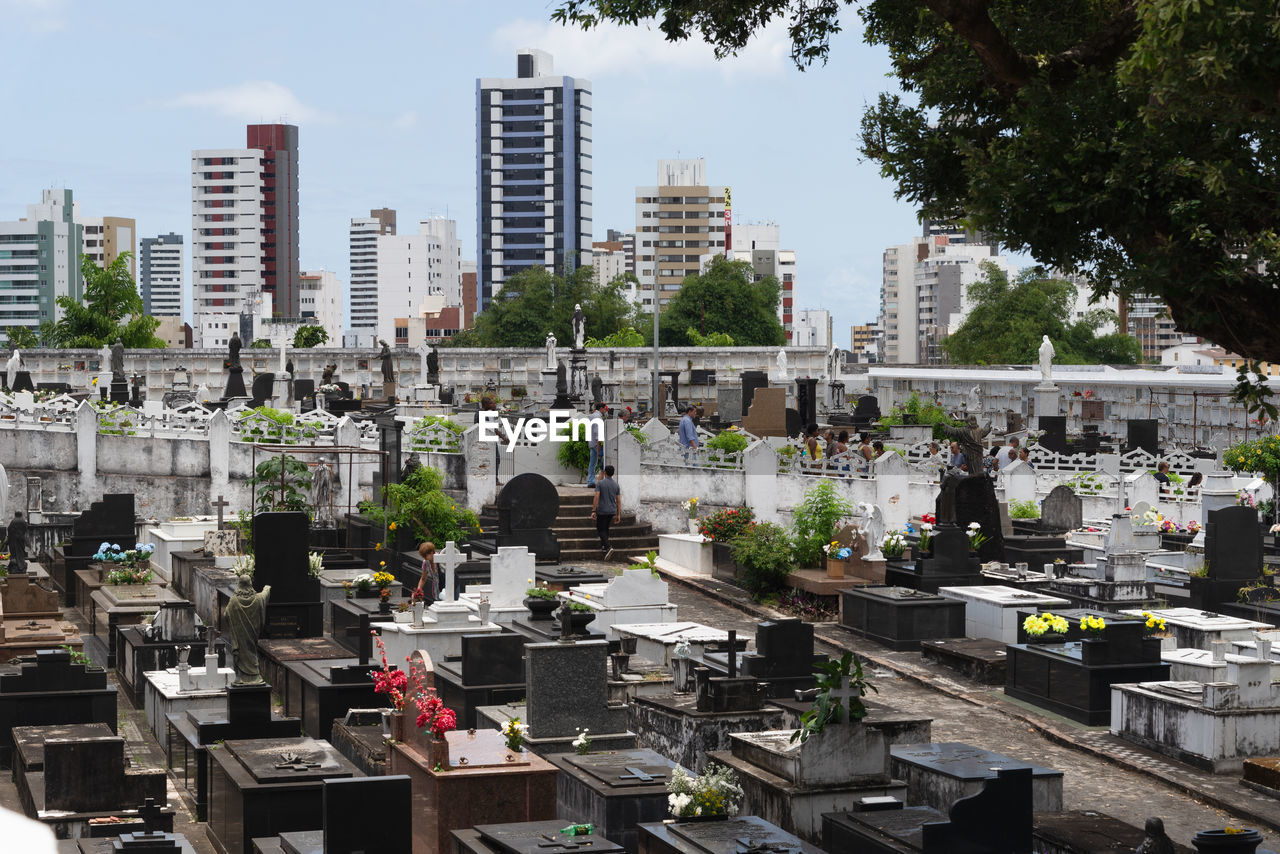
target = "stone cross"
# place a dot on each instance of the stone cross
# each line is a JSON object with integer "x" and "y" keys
{"x": 450, "y": 558}
{"x": 640, "y": 774}
{"x": 844, "y": 695}
{"x": 363, "y": 634}
{"x": 220, "y": 504}
{"x": 149, "y": 812}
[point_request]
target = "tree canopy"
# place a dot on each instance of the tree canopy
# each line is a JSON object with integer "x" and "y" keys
{"x": 111, "y": 309}
{"x": 309, "y": 336}
{"x": 1133, "y": 140}
{"x": 724, "y": 299}
{"x": 534, "y": 302}
{"x": 1008, "y": 319}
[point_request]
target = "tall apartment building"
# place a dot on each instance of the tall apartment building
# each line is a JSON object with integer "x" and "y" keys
{"x": 105, "y": 237}
{"x": 680, "y": 223}
{"x": 760, "y": 244}
{"x": 627, "y": 239}
{"x": 418, "y": 274}
{"x": 161, "y": 266}
{"x": 812, "y": 328}
{"x": 533, "y": 181}
{"x": 320, "y": 303}
{"x": 40, "y": 261}
{"x": 864, "y": 343}
{"x": 363, "y": 260}
{"x": 244, "y": 229}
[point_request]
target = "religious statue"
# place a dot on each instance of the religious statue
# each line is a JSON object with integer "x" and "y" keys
{"x": 388, "y": 374}
{"x": 782, "y": 362}
{"x": 969, "y": 437}
{"x": 975, "y": 401}
{"x": 117, "y": 361}
{"x": 11, "y": 368}
{"x": 597, "y": 389}
{"x": 16, "y": 539}
{"x": 1046, "y": 361}
{"x": 245, "y": 614}
{"x": 433, "y": 367}
{"x": 322, "y": 495}
{"x": 551, "y": 352}
{"x": 562, "y": 379}
{"x": 872, "y": 526}
{"x": 326, "y": 376}
{"x": 233, "y": 352}
{"x": 579, "y": 328}
{"x": 833, "y": 364}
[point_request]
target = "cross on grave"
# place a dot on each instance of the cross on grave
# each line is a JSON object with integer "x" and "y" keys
{"x": 220, "y": 504}
{"x": 640, "y": 774}
{"x": 29, "y": 626}
{"x": 363, "y": 633}
{"x": 149, "y": 812}
{"x": 450, "y": 558}
{"x": 553, "y": 845}
{"x": 749, "y": 847}
{"x": 844, "y": 695}
{"x": 290, "y": 761}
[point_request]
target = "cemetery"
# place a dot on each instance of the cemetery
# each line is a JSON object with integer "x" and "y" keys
{"x": 268, "y": 616}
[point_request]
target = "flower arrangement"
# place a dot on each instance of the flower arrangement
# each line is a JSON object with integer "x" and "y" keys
{"x": 418, "y": 595}
{"x": 723, "y": 526}
{"x": 434, "y": 715}
{"x": 538, "y": 592}
{"x": 713, "y": 792}
{"x": 835, "y": 551}
{"x": 383, "y": 579}
{"x": 387, "y": 681}
{"x": 1154, "y": 625}
{"x": 244, "y": 566}
{"x": 893, "y": 544}
{"x": 315, "y": 564}
{"x": 112, "y": 553}
{"x": 329, "y": 388}
{"x": 1193, "y": 527}
{"x": 1038, "y": 625}
{"x": 926, "y": 535}
{"x": 1246, "y": 499}
{"x": 128, "y": 575}
{"x": 1093, "y": 626}
{"x": 929, "y": 518}
{"x": 514, "y": 732}
{"x": 976, "y": 537}
{"x": 581, "y": 744}
{"x": 691, "y": 508}
{"x": 1151, "y": 517}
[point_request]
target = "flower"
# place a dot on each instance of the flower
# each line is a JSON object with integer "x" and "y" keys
{"x": 1092, "y": 625}
{"x": 1038, "y": 624}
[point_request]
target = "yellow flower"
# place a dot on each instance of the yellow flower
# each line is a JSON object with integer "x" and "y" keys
{"x": 391, "y": 527}
{"x": 377, "y": 547}
{"x": 382, "y": 563}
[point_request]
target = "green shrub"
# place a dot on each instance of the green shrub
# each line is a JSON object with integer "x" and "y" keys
{"x": 420, "y": 506}
{"x": 924, "y": 411}
{"x": 764, "y": 553}
{"x": 575, "y": 455}
{"x": 1023, "y": 510}
{"x": 729, "y": 441}
{"x": 816, "y": 520}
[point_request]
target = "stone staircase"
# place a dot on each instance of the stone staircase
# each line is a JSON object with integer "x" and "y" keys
{"x": 576, "y": 530}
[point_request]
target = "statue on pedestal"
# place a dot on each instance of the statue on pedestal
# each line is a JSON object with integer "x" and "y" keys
{"x": 579, "y": 328}
{"x": 245, "y": 614}
{"x": 117, "y": 361}
{"x": 433, "y": 367}
{"x": 1046, "y": 361}
{"x": 233, "y": 353}
{"x": 969, "y": 437}
{"x": 15, "y": 364}
{"x": 16, "y": 539}
{"x": 388, "y": 373}
{"x": 551, "y": 352}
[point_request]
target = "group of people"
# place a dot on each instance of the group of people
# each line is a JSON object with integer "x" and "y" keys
{"x": 832, "y": 446}
{"x": 999, "y": 457}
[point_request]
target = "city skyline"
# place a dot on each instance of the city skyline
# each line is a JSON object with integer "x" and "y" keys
{"x": 386, "y": 110}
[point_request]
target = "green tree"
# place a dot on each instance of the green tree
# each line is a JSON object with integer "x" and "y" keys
{"x": 534, "y": 302}
{"x": 715, "y": 339}
{"x": 1008, "y": 319}
{"x": 111, "y": 309}
{"x": 309, "y": 336}
{"x": 1132, "y": 139}
{"x": 260, "y": 344}
{"x": 22, "y": 337}
{"x": 723, "y": 298}
{"x": 625, "y": 337}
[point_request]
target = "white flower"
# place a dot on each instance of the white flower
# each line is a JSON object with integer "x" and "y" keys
{"x": 974, "y": 526}
{"x": 926, "y": 526}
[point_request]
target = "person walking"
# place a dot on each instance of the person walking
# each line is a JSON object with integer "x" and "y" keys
{"x": 687, "y": 434}
{"x": 596, "y": 444}
{"x": 606, "y": 508}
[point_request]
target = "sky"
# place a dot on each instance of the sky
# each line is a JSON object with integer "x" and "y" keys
{"x": 110, "y": 100}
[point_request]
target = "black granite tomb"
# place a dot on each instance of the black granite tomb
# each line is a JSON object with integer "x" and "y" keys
{"x": 1143, "y": 433}
{"x": 110, "y": 520}
{"x": 280, "y": 556}
{"x": 900, "y": 617}
{"x": 613, "y": 791}
{"x": 489, "y": 673}
{"x": 1232, "y": 556}
{"x": 531, "y": 837}
{"x": 751, "y": 380}
{"x": 807, "y": 399}
{"x": 866, "y": 412}
{"x": 322, "y": 690}
{"x": 48, "y": 688}
{"x": 784, "y": 658}
{"x": 730, "y": 836}
{"x": 949, "y": 564}
{"x": 155, "y": 647}
{"x": 527, "y": 508}
{"x": 1053, "y": 436}
{"x": 389, "y": 798}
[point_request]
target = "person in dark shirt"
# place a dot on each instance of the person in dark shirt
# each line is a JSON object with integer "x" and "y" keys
{"x": 1162, "y": 473}
{"x": 606, "y": 508}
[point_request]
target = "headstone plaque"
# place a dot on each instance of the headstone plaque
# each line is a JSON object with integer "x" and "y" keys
{"x": 1062, "y": 510}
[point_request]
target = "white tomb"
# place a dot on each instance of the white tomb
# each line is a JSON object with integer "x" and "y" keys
{"x": 635, "y": 596}
{"x": 1196, "y": 629}
{"x": 176, "y": 535}
{"x": 511, "y": 573}
{"x": 991, "y": 611}
{"x": 181, "y": 688}
{"x": 656, "y": 642}
{"x": 685, "y": 554}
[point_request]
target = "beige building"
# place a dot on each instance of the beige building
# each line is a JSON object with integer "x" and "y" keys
{"x": 680, "y": 223}
{"x": 105, "y": 237}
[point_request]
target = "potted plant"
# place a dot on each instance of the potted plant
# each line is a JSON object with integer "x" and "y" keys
{"x": 1045, "y": 628}
{"x": 691, "y": 510}
{"x": 764, "y": 551}
{"x": 541, "y": 602}
{"x": 816, "y": 521}
{"x": 1227, "y": 840}
{"x": 363, "y": 586}
{"x": 713, "y": 794}
{"x": 579, "y": 615}
{"x": 976, "y": 537}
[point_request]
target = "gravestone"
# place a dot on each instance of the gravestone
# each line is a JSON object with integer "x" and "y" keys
{"x": 110, "y": 520}
{"x": 976, "y": 502}
{"x": 1143, "y": 433}
{"x": 22, "y": 597}
{"x": 614, "y": 792}
{"x": 490, "y": 673}
{"x": 751, "y": 381}
{"x": 567, "y": 689}
{"x": 866, "y": 412}
{"x": 48, "y": 688}
{"x": 262, "y": 390}
{"x": 729, "y": 403}
{"x": 1054, "y": 433}
{"x": 527, "y": 508}
{"x": 767, "y": 414}
{"x": 807, "y": 399}
{"x": 280, "y": 558}
{"x": 1232, "y": 556}
{"x": 900, "y": 618}
{"x": 1061, "y": 511}
{"x": 784, "y": 658}
{"x": 154, "y": 646}
{"x": 389, "y": 798}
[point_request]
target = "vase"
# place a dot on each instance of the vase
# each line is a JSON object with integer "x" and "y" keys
{"x": 484, "y": 608}
{"x": 386, "y": 722}
{"x": 693, "y": 526}
{"x": 418, "y": 608}
{"x": 384, "y": 606}
{"x": 835, "y": 568}
{"x": 438, "y": 752}
{"x": 539, "y": 608}
{"x": 578, "y": 621}
{"x": 1246, "y": 841}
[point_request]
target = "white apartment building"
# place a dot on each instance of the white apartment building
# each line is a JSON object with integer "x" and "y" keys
{"x": 812, "y": 328}
{"x": 760, "y": 244}
{"x": 680, "y": 223}
{"x": 161, "y": 267}
{"x": 227, "y": 264}
{"x": 608, "y": 264}
{"x": 40, "y": 261}
{"x": 363, "y": 266}
{"x": 418, "y": 274}
{"x": 320, "y": 299}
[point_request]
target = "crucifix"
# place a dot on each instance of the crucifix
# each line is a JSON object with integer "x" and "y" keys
{"x": 363, "y": 634}
{"x": 220, "y": 504}
{"x": 290, "y": 761}
{"x": 641, "y": 775}
{"x": 149, "y": 812}
{"x": 450, "y": 558}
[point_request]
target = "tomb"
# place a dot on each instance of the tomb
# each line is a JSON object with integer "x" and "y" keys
{"x": 561, "y": 577}
{"x": 657, "y": 642}
{"x": 344, "y": 800}
{"x": 117, "y": 606}
{"x": 25, "y": 636}
{"x": 467, "y": 779}
{"x": 982, "y": 660}
{"x": 268, "y": 786}
{"x": 280, "y": 555}
{"x": 901, "y": 618}
{"x": 938, "y": 775}
{"x": 346, "y": 616}
{"x": 69, "y": 775}
{"x": 634, "y": 596}
{"x": 510, "y": 571}
{"x": 490, "y": 672}
{"x": 182, "y": 566}
{"x": 949, "y": 564}
{"x": 730, "y": 836}
{"x": 23, "y": 598}
{"x": 177, "y": 535}
{"x": 154, "y": 646}
{"x": 530, "y": 837}
{"x": 1212, "y": 725}
{"x": 784, "y": 659}
{"x": 1196, "y": 629}
{"x": 110, "y": 520}
{"x": 673, "y": 725}
{"x": 691, "y": 554}
{"x": 50, "y": 688}
{"x": 322, "y": 690}
{"x": 527, "y": 507}
{"x": 1118, "y": 580}
{"x": 613, "y": 791}
{"x": 1074, "y": 678}
{"x": 991, "y": 611}
{"x": 174, "y": 690}
{"x": 565, "y": 688}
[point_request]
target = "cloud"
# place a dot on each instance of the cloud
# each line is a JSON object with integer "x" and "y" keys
{"x": 405, "y": 120}
{"x": 253, "y": 100}
{"x": 40, "y": 16}
{"x": 611, "y": 49}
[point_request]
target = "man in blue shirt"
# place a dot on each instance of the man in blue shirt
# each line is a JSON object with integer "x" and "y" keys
{"x": 957, "y": 458}
{"x": 688, "y": 433}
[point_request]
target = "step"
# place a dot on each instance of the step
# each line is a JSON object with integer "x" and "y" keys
{"x": 620, "y": 555}
{"x": 640, "y": 543}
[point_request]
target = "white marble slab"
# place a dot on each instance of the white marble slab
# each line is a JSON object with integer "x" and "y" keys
{"x": 657, "y": 641}
{"x": 690, "y": 552}
{"x": 163, "y": 697}
{"x": 991, "y": 611}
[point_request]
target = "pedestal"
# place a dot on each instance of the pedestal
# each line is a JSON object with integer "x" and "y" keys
{"x": 1048, "y": 401}
{"x": 547, "y": 388}
{"x": 235, "y": 383}
{"x": 119, "y": 391}
{"x": 578, "y": 375}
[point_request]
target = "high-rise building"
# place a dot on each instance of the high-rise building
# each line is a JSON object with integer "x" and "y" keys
{"x": 628, "y": 241}
{"x": 864, "y": 342}
{"x": 161, "y": 265}
{"x": 609, "y": 258}
{"x": 40, "y": 261}
{"x": 244, "y": 230}
{"x": 812, "y": 328}
{"x": 363, "y": 259}
{"x": 320, "y": 303}
{"x": 418, "y": 274}
{"x": 680, "y": 223}
{"x": 533, "y": 181}
{"x": 760, "y": 245}
{"x": 105, "y": 237}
